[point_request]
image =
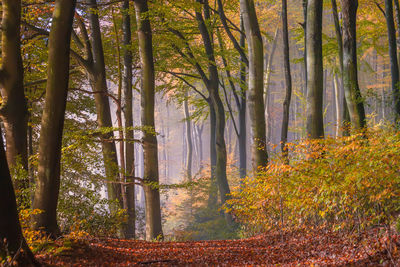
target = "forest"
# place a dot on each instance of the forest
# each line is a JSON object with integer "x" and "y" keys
{"x": 200, "y": 132}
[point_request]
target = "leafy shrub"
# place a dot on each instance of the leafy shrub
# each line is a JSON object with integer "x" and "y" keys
{"x": 346, "y": 183}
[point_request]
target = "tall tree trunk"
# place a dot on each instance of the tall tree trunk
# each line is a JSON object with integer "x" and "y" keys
{"x": 397, "y": 18}
{"x": 48, "y": 177}
{"x": 305, "y": 4}
{"x": 213, "y": 194}
{"x": 97, "y": 76}
{"x": 242, "y": 109}
{"x": 288, "y": 81}
{"x": 394, "y": 66}
{"x": 150, "y": 150}
{"x": 315, "y": 73}
{"x": 337, "y": 104}
{"x": 344, "y": 119}
{"x": 14, "y": 110}
{"x": 128, "y": 115}
{"x": 352, "y": 91}
{"x": 189, "y": 143}
{"x": 118, "y": 113}
{"x": 256, "y": 83}
{"x": 11, "y": 237}
{"x": 212, "y": 85}
{"x": 189, "y": 149}
{"x": 199, "y": 132}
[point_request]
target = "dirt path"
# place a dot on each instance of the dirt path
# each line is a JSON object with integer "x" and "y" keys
{"x": 296, "y": 249}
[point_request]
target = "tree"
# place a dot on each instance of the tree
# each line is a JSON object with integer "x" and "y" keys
{"x": 12, "y": 241}
{"x": 288, "y": 80}
{"x": 48, "y": 177}
{"x": 150, "y": 151}
{"x": 315, "y": 86}
{"x": 256, "y": 83}
{"x": 212, "y": 84}
{"x": 14, "y": 110}
{"x": 342, "y": 117}
{"x": 394, "y": 65}
{"x": 352, "y": 91}
{"x": 94, "y": 64}
{"x": 189, "y": 142}
{"x": 128, "y": 114}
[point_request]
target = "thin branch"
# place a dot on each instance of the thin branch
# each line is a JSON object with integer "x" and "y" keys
{"x": 229, "y": 33}
{"x": 229, "y": 107}
{"x": 189, "y": 55}
{"x": 95, "y": 92}
{"x": 380, "y": 8}
{"x": 190, "y": 85}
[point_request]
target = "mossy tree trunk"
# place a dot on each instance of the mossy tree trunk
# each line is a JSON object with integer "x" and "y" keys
{"x": 14, "y": 110}
{"x": 128, "y": 114}
{"x": 50, "y": 142}
{"x": 150, "y": 150}
{"x": 315, "y": 73}
{"x": 256, "y": 83}
{"x": 394, "y": 65}
{"x": 288, "y": 81}
{"x": 352, "y": 91}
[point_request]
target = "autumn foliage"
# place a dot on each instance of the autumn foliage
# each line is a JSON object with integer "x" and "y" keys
{"x": 347, "y": 183}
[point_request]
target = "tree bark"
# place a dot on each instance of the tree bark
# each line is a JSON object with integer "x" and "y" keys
{"x": 256, "y": 83}
{"x": 315, "y": 73}
{"x": 189, "y": 142}
{"x": 50, "y": 142}
{"x": 98, "y": 80}
{"x": 344, "y": 119}
{"x": 242, "y": 109}
{"x": 14, "y": 110}
{"x": 150, "y": 151}
{"x": 212, "y": 85}
{"x": 288, "y": 81}
{"x": 352, "y": 91}
{"x": 11, "y": 237}
{"x": 213, "y": 194}
{"x": 268, "y": 66}
{"x": 394, "y": 66}
{"x": 128, "y": 115}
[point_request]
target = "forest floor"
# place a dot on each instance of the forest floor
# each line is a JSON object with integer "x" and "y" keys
{"x": 314, "y": 248}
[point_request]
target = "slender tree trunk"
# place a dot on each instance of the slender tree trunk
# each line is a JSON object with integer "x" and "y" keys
{"x": 315, "y": 72}
{"x": 150, "y": 150}
{"x": 13, "y": 110}
{"x": 288, "y": 81}
{"x": 352, "y": 91}
{"x": 394, "y": 67}
{"x": 189, "y": 149}
{"x": 256, "y": 83}
{"x": 48, "y": 177}
{"x": 118, "y": 114}
{"x": 97, "y": 76}
{"x": 242, "y": 109}
{"x": 213, "y": 194}
{"x": 128, "y": 115}
{"x": 189, "y": 143}
{"x": 337, "y": 104}
{"x": 305, "y": 4}
{"x": 397, "y": 18}
{"x": 212, "y": 84}
{"x": 200, "y": 139}
{"x": 344, "y": 119}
